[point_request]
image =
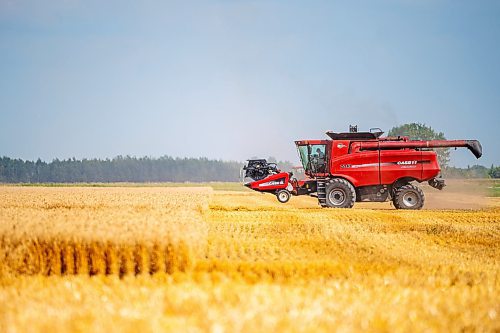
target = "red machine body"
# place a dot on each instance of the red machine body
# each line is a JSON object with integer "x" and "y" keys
{"x": 363, "y": 166}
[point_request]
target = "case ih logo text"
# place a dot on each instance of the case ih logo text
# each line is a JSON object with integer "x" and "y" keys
{"x": 406, "y": 162}
{"x": 273, "y": 183}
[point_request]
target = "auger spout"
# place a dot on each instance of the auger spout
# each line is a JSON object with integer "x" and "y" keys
{"x": 473, "y": 145}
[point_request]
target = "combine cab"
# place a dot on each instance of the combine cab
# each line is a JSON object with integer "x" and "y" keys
{"x": 358, "y": 166}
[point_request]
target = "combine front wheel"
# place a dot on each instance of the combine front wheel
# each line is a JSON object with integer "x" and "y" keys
{"x": 408, "y": 197}
{"x": 283, "y": 196}
{"x": 340, "y": 194}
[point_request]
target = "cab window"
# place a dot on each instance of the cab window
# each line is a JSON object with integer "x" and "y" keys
{"x": 304, "y": 156}
{"x": 318, "y": 151}
{"x": 317, "y": 157}
{"x": 313, "y": 158}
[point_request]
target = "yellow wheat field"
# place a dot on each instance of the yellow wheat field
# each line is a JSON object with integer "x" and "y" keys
{"x": 193, "y": 260}
{"x": 100, "y": 230}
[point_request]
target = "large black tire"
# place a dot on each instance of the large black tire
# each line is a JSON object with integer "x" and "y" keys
{"x": 340, "y": 193}
{"x": 283, "y": 196}
{"x": 408, "y": 197}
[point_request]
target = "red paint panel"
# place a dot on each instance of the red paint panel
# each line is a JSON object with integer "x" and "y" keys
{"x": 360, "y": 169}
{"x": 273, "y": 182}
{"x": 430, "y": 165}
{"x": 397, "y": 164}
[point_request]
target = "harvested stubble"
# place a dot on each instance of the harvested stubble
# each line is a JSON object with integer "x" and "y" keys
{"x": 57, "y": 231}
{"x": 270, "y": 242}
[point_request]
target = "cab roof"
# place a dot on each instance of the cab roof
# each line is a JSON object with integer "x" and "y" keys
{"x": 354, "y": 135}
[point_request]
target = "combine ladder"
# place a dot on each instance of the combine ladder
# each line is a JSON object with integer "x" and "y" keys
{"x": 321, "y": 190}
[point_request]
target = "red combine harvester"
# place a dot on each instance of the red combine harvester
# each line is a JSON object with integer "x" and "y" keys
{"x": 358, "y": 166}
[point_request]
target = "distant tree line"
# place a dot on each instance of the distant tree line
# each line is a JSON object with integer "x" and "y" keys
{"x": 118, "y": 169}
{"x": 494, "y": 171}
{"x": 121, "y": 169}
{"x": 475, "y": 171}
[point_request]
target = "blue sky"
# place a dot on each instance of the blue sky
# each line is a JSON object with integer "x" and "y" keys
{"x": 235, "y": 79}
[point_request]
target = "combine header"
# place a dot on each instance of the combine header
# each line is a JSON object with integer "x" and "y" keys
{"x": 358, "y": 166}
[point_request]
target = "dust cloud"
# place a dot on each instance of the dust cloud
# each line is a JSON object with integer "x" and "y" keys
{"x": 460, "y": 194}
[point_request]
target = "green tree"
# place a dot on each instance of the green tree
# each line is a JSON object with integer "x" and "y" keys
{"x": 494, "y": 172}
{"x": 417, "y": 131}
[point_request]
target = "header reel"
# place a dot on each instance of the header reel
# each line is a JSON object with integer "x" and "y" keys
{"x": 259, "y": 169}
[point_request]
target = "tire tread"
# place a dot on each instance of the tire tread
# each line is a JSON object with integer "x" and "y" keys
{"x": 398, "y": 192}
{"x": 351, "y": 198}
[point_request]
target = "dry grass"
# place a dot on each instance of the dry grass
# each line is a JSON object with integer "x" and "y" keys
{"x": 258, "y": 266}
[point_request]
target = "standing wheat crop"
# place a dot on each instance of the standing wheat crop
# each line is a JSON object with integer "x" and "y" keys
{"x": 55, "y": 231}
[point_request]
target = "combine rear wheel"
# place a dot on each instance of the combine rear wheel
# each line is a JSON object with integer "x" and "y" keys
{"x": 283, "y": 196}
{"x": 340, "y": 193}
{"x": 408, "y": 197}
